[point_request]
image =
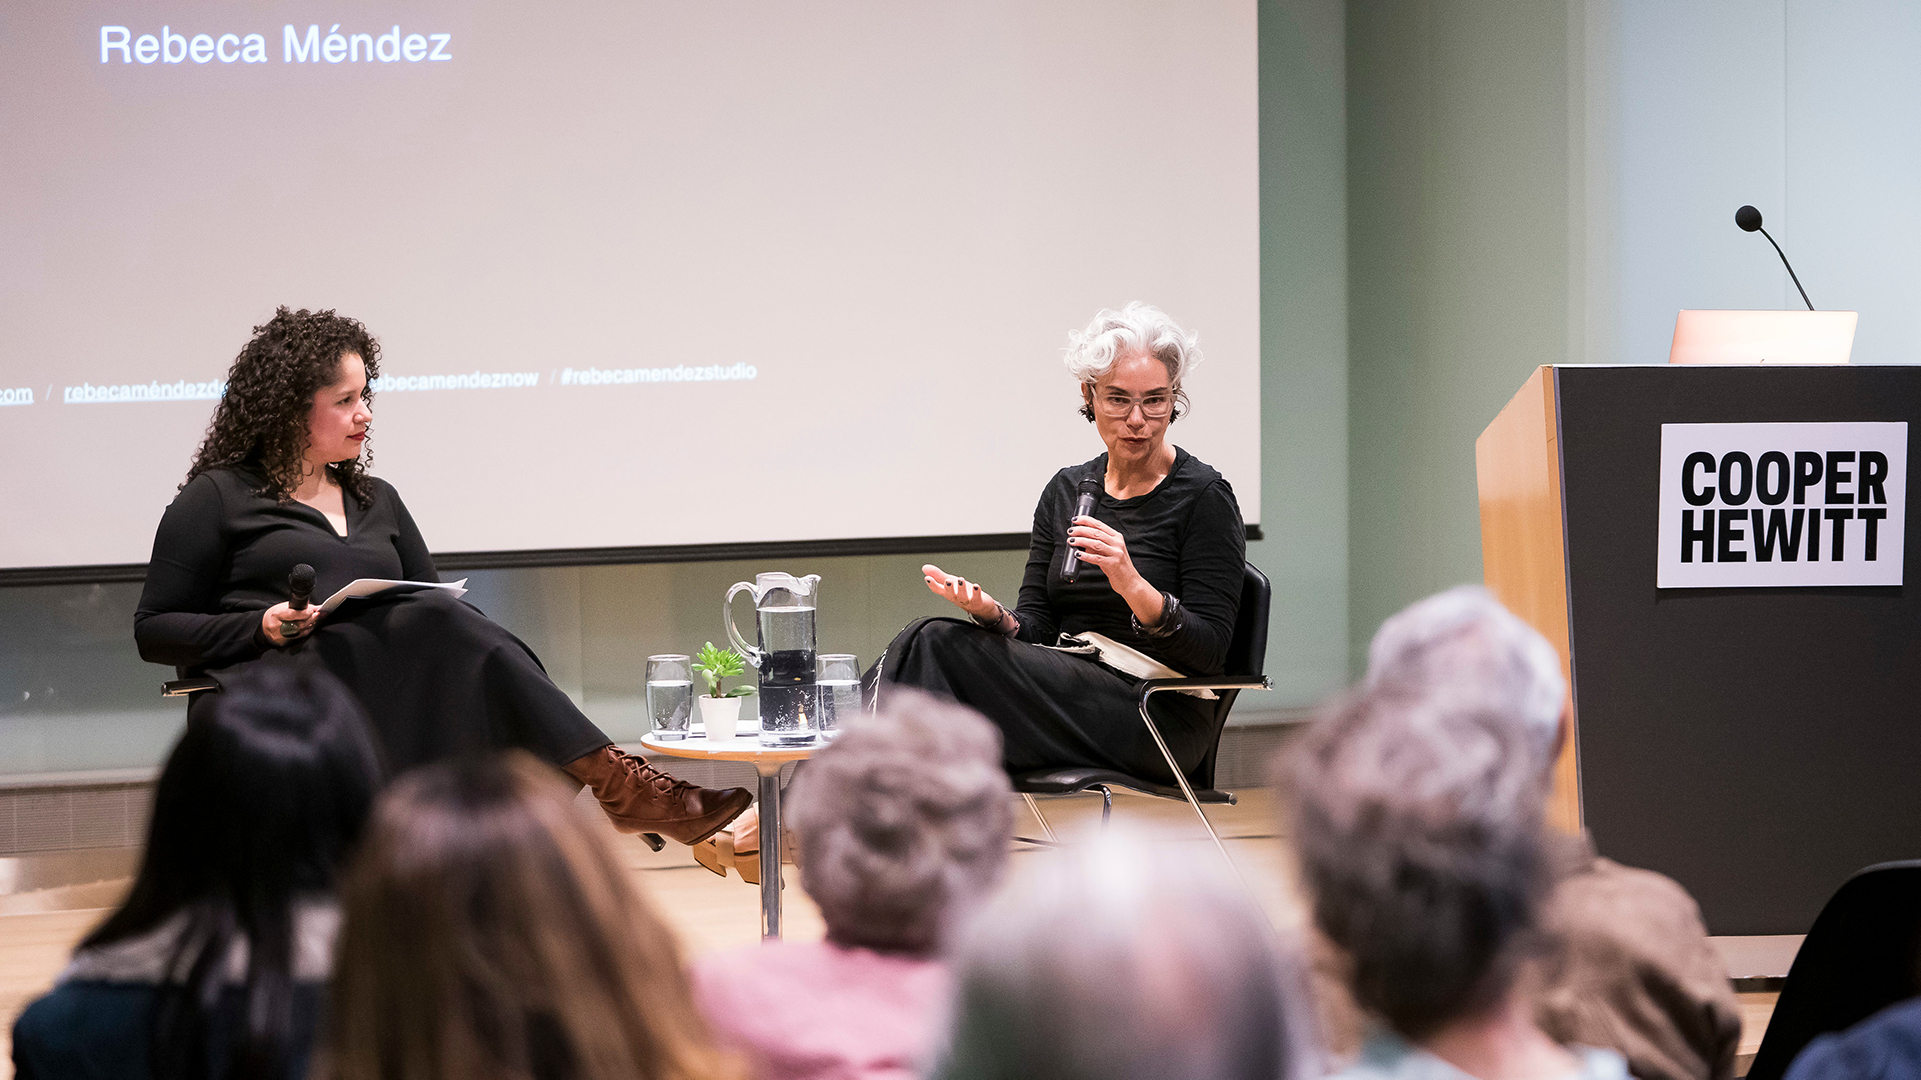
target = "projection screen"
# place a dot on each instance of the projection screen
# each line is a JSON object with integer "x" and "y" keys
{"x": 645, "y": 272}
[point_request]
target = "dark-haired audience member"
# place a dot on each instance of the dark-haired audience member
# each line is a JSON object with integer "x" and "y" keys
{"x": 1127, "y": 959}
{"x": 1419, "y": 828}
{"x": 1626, "y": 963}
{"x": 1885, "y": 1046}
{"x": 490, "y": 934}
{"x": 903, "y": 825}
{"x": 214, "y": 966}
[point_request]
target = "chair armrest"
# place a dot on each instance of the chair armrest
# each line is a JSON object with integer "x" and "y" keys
{"x": 1218, "y": 682}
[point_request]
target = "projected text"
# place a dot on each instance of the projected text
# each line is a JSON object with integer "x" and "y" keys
{"x": 296, "y": 46}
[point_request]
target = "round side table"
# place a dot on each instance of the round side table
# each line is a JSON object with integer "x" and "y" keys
{"x": 767, "y": 761}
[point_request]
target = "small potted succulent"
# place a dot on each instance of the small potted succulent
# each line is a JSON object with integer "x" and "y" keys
{"x": 720, "y": 709}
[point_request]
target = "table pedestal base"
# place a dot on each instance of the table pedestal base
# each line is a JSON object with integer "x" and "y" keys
{"x": 767, "y": 761}
{"x": 769, "y": 848}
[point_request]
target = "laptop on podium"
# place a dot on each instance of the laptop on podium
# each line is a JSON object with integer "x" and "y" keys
{"x": 1763, "y": 337}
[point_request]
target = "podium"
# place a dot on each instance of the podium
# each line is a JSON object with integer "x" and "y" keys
{"x": 1756, "y": 734}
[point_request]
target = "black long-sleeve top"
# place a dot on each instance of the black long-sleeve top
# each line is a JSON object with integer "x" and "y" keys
{"x": 1185, "y": 537}
{"x": 223, "y": 553}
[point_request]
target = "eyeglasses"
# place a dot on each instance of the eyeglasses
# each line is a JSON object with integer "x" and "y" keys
{"x": 1154, "y": 406}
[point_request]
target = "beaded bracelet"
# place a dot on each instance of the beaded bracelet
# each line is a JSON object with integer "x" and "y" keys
{"x": 1170, "y": 622}
{"x": 995, "y": 622}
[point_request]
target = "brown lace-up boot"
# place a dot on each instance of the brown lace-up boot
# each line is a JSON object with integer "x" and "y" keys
{"x": 640, "y": 798}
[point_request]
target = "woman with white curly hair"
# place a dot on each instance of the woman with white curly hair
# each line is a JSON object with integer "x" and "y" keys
{"x": 1161, "y": 566}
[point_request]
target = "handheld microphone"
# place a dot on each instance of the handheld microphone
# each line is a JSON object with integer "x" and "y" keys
{"x": 300, "y": 587}
{"x": 1083, "y": 506}
{"x": 1749, "y": 219}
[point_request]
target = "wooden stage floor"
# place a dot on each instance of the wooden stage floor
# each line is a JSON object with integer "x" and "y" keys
{"x": 51, "y": 901}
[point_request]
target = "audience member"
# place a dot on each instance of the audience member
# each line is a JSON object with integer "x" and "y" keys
{"x": 904, "y": 824}
{"x": 214, "y": 965}
{"x": 1626, "y": 962}
{"x": 1125, "y": 960}
{"x": 1419, "y": 827}
{"x": 490, "y": 934}
{"x": 1885, "y": 1046}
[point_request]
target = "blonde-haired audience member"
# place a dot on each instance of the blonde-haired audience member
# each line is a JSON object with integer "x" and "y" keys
{"x": 904, "y": 822}
{"x": 490, "y": 934}
{"x": 1128, "y": 958}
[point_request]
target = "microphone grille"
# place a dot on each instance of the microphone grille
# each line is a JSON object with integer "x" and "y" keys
{"x": 302, "y": 577}
{"x": 1748, "y": 218}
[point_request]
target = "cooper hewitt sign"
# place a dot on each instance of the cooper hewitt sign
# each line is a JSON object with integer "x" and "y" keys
{"x": 1748, "y": 505}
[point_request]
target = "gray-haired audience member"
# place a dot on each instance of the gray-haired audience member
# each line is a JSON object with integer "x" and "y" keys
{"x": 1421, "y": 841}
{"x": 1625, "y": 961}
{"x": 1419, "y": 827}
{"x": 904, "y": 823}
{"x": 1121, "y": 960}
{"x": 1463, "y": 646}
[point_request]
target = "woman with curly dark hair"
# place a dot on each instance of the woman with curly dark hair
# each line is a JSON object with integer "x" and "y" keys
{"x": 281, "y": 480}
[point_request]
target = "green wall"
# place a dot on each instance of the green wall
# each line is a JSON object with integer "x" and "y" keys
{"x": 1304, "y": 349}
{"x": 1460, "y": 187}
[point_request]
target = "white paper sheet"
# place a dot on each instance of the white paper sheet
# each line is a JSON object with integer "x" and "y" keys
{"x": 367, "y": 586}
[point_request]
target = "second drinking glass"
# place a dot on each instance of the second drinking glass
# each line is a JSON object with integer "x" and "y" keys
{"x": 670, "y": 695}
{"x": 839, "y": 679}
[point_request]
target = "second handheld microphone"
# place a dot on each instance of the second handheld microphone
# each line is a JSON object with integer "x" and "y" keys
{"x": 1089, "y": 489}
{"x": 299, "y": 587}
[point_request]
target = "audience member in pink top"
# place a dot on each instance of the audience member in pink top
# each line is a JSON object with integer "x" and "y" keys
{"x": 903, "y": 826}
{"x": 819, "y": 1010}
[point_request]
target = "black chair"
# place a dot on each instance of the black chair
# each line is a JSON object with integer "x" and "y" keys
{"x": 1246, "y": 656}
{"x": 1859, "y": 957}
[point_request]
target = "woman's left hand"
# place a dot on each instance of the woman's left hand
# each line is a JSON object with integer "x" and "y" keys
{"x": 1105, "y": 548}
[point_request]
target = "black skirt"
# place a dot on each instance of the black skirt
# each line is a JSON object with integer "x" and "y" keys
{"x": 1054, "y": 709}
{"x": 439, "y": 680}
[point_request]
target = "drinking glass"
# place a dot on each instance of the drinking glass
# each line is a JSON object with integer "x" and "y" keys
{"x": 670, "y": 694}
{"x": 839, "y": 679}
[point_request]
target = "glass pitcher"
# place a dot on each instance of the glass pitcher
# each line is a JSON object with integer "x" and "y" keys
{"x": 789, "y": 695}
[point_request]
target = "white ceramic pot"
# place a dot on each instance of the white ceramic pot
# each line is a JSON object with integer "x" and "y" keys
{"x": 721, "y": 715}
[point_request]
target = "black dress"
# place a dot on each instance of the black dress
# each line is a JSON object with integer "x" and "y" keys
{"x": 437, "y": 677}
{"x": 1056, "y": 709}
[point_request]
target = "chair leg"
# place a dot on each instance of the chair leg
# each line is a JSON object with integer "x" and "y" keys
{"x": 1186, "y": 788}
{"x": 1046, "y": 829}
{"x": 1107, "y": 804}
{"x": 880, "y": 666}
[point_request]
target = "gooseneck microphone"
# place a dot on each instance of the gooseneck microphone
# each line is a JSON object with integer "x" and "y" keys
{"x": 1089, "y": 489}
{"x": 300, "y": 587}
{"x": 1750, "y": 221}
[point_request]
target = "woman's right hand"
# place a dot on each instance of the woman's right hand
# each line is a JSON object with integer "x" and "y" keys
{"x": 961, "y": 592}
{"x": 282, "y": 624}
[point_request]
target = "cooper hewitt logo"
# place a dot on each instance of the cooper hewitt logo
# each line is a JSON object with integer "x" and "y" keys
{"x": 1750, "y": 505}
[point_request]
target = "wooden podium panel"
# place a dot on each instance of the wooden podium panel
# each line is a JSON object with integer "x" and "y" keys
{"x": 1518, "y": 463}
{"x": 1756, "y": 744}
